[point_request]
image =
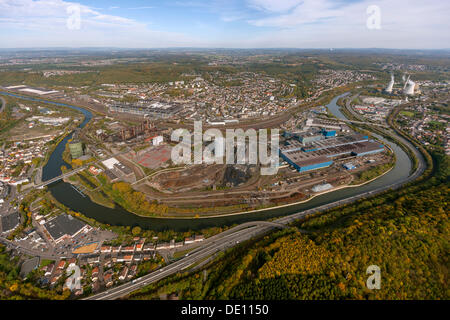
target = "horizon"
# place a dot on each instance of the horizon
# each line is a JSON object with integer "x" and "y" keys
{"x": 224, "y": 48}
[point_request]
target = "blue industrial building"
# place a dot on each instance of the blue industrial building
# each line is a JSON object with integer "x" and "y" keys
{"x": 329, "y": 133}
{"x": 303, "y": 168}
{"x": 307, "y": 165}
{"x": 320, "y": 153}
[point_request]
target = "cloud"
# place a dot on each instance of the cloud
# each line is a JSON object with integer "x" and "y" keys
{"x": 45, "y": 23}
{"x": 273, "y": 5}
{"x": 50, "y": 14}
{"x": 281, "y": 23}
{"x": 307, "y": 11}
{"x": 231, "y": 17}
{"x": 139, "y": 8}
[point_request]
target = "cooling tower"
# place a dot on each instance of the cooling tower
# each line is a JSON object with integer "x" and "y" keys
{"x": 390, "y": 85}
{"x": 409, "y": 89}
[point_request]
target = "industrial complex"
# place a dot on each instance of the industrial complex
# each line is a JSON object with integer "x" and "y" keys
{"x": 148, "y": 108}
{"x": 311, "y": 150}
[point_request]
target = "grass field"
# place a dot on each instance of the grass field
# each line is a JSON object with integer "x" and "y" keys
{"x": 407, "y": 113}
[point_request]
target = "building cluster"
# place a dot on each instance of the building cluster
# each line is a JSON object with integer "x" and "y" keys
{"x": 107, "y": 265}
{"x": 152, "y": 109}
{"x": 224, "y": 97}
{"x": 238, "y": 96}
{"x": 317, "y": 146}
{"x": 428, "y": 126}
{"x": 376, "y": 109}
{"x": 401, "y": 66}
{"x": 16, "y": 160}
{"x": 52, "y": 73}
{"x": 116, "y": 170}
{"x": 330, "y": 79}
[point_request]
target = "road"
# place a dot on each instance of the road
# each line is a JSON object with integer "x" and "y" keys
{"x": 34, "y": 253}
{"x": 65, "y": 175}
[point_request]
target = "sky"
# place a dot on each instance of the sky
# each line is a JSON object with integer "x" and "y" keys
{"x": 401, "y": 24}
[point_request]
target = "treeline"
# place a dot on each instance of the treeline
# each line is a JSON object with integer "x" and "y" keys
{"x": 134, "y": 201}
{"x": 12, "y": 287}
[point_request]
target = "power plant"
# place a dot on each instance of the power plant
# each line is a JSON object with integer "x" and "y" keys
{"x": 408, "y": 85}
{"x": 408, "y": 88}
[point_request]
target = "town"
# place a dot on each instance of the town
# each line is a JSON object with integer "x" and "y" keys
{"x": 110, "y": 145}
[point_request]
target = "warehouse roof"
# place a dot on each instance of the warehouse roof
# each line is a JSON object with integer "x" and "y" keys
{"x": 63, "y": 225}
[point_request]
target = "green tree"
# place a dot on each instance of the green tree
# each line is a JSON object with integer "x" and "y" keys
{"x": 136, "y": 231}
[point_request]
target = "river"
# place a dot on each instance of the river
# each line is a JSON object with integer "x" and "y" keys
{"x": 68, "y": 196}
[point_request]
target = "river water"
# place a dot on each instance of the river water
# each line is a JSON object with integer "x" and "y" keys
{"x": 68, "y": 196}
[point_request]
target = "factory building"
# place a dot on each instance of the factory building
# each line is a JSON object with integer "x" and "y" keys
{"x": 320, "y": 154}
{"x": 155, "y": 109}
{"x": 329, "y": 133}
{"x": 369, "y": 147}
{"x": 329, "y": 124}
{"x": 335, "y": 142}
{"x": 302, "y": 165}
{"x": 308, "y": 138}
